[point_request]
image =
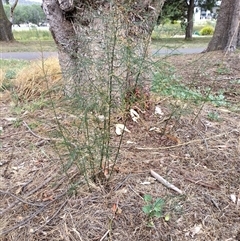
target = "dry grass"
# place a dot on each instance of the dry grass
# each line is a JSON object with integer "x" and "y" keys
{"x": 2, "y": 73}
{"x": 38, "y": 78}
{"x": 201, "y": 158}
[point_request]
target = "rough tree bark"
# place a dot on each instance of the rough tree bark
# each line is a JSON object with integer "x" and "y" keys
{"x": 14, "y": 5}
{"x": 5, "y": 26}
{"x": 92, "y": 30}
{"x": 190, "y": 13}
{"x": 226, "y": 35}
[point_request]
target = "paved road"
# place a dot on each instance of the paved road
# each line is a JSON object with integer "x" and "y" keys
{"x": 39, "y": 55}
{"x": 27, "y": 55}
{"x": 169, "y": 51}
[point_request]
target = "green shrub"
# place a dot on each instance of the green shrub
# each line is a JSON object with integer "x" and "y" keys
{"x": 207, "y": 30}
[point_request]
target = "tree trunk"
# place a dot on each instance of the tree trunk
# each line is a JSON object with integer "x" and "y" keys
{"x": 226, "y": 34}
{"x": 63, "y": 32}
{"x": 5, "y": 26}
{"x": 189, "y": 27}
{"x": 12, "y": 10}
{"x": 96, "y": 38}
{"x": 234, "y": 29}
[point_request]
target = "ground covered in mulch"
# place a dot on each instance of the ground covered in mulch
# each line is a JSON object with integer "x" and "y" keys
{"x": 197, "y": 150}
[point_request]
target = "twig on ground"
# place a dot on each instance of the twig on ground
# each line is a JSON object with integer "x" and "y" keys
{"x": 20, "y": 199}
{"x": 53, "y": 216}
{"x": 40, "y": 137}
{"x": 26, "y": 220}
{"x": 74, "y": 228}
{"x": 10, "y": 135}
{"x": 103, "y": 237}
{"x": 206, "y": 144}
{"x": 78, "y": 234}
{"x": 199, "y": 181}
{"x": 202, "y": 183}
{"x": 165, "y": 182}
{"x": 121, "y": 183}
{"x": 135, "y": 192}
{"x": 182, "y": 144}
{"x": 44, "y": 138}
{"x": 28, "y": 194}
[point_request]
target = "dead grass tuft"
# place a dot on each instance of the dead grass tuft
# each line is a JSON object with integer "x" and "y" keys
{"x": 38, "y": 78}
{"x": 2, "y": 74}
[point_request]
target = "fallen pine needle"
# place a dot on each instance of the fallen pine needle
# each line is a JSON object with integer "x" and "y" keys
{"x": 165, "y": 182}
{"x": 103, "y": 237}
{"x": 182, "y": 144}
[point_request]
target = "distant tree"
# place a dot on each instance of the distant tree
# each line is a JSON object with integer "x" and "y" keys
{"x": 227, "y": 32}
{"x": 184, "y": 10}
{"x": 173, "y": 10}
{"x": 189, "y": 22}
{"x": 5, "y": 25}
{"x": 13, "y": 14}
{"x": 27, "y": 14}
{"x": 206, "y": 4}
{"x": 12, "y": 8}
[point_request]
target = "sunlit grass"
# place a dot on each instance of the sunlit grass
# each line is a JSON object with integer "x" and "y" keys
{"x": 180, "y": 42}
{"x": 33, "y": 34}
{"x": 29, "y": 46}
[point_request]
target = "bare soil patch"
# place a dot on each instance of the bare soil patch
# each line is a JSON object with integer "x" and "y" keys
{"x": 198, "y": 154}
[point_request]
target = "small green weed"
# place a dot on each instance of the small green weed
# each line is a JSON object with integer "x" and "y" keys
{"x": 166, "y": 83}
{"x": 235, "y": 81}
{"x": 217, "y": 100}
{"x": 223, "y": 70}
{"x": 152, "y": 208}
{"x": 33, "y": 125}
{"x": 73, "y": 189}
{"x": 7, "y": 84}
{"x": 10, "y": 74}
{"x": 17, "y": 123}
{"x": 39, "y": 104}
{"x": 213, "y": 116}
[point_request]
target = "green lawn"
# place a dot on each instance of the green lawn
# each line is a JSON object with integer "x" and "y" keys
{"x": 180, "y": 42}
{"x": 41, "y": 41}
{"x": 30, "y": 41}
{"x": 29, "y": 46}
{"x": 49, "y": 45}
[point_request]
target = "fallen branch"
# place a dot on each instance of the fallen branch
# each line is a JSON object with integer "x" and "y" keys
{"x": 182, "y": 144}
{"x": 20, "y": 199}
{"x": 202, "y": 183}
{"x": 198, "y": 182}
{"x": 165, "y": 182}
{"x": 14, "y": 204}
{"x": 26, "y": 220}
{"x": 29, "y": 129}
{"x": 53, "y": 216}
{"x": 104, "y": 236}
{"x": 135, "y": 192}
{"x": 43, "y": 138}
